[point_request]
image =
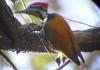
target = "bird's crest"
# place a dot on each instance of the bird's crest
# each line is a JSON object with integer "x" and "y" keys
{"x": 41, "y": 4}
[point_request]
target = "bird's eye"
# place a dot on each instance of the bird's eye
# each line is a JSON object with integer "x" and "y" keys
{"x": 44, "y": 9}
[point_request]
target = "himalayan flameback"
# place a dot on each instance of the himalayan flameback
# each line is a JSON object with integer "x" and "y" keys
{"x": 56, "y": 30}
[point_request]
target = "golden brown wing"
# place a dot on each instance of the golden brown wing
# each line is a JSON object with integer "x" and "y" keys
{"x": 60, "y": 35}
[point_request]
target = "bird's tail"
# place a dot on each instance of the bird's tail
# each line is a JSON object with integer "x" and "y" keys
{"x": 77, "y": 61}
{"x": 80, "y": 55}
{"x": 73, "y": 57}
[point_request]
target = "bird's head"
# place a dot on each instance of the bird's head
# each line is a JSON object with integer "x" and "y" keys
{"x": 38, "y": 9}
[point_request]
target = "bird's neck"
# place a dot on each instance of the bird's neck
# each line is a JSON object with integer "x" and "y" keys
{"x": 51, "y": 16}
{"x": 45, "y": 20}
{"x": 43, "y": 15}
{"x": 48, "y": 17}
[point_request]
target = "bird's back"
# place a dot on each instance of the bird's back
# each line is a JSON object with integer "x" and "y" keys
{"x": 60, "y": 35}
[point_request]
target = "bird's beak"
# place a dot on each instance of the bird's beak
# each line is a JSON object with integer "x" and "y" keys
{"x": 27, "y": 11}
{"x": 32, "y": 12}
{"x": 21, "y": 11}
{"x": 35, "y": 11}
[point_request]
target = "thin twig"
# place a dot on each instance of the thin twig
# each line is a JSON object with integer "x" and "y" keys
{"x": 8, "y": 60}
{"x": 81, "y": 22}
{"x": 24, "y": 6}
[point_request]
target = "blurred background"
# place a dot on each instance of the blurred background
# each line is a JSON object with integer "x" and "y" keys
{"x": 80, "y": 10}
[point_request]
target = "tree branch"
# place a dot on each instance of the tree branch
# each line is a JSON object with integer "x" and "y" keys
{"x": 22, "y": 38}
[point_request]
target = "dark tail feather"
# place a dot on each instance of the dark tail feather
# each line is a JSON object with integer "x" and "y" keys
{"x": 75, "y": 59}
{"x": 78, "y": 63}
{"x": 80, "y": 55}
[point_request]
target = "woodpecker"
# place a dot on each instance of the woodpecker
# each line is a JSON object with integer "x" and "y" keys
{"x": 56, "y": 30}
